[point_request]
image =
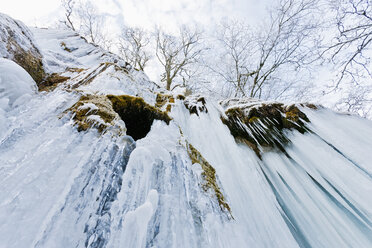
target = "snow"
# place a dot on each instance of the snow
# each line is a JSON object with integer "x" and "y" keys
{"x": 15, "y": 30}
{"x": 16, "y": 85}
{"x": 106, "y": 72}
{"x": 64, "y": 49}
{"x": 115, "y": 81}
{"x": 16, "y": 88}
{"x": 90, "y": 106}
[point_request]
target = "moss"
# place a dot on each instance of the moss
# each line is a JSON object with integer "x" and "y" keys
{"x": 91, "y": 76}
{"x": 250, "y": 144}
{"x": 51, "y": 82}
{"x": 253, "y": 119}
{"x": 116, "y": 67}
{"x": 264, "y": 125}
{"x": 209, "y": 176}
{"x": 294, "y": 112}
{"x": 195, "y": 105}
{"x": 181, "y": 97}
{"x": 311, "y": 106}
{"x": 64, "y": 47}
{"x": 290, "y": 115}
{"x": 162, "y": 100}
{"x": 103, "y": 109}
{"x": 137, "y": 114}
{"x": 78, "y": 70}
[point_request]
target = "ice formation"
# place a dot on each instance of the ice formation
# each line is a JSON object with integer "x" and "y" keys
{"x": 188, "y": 182}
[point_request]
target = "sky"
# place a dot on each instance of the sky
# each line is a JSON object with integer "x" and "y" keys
{"x": 143, "y": 13}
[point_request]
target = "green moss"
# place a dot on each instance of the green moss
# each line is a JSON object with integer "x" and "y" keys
{"x": 209, "y": 176}
{"x": 137, "y": 114}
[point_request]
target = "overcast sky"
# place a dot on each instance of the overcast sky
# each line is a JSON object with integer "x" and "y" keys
{"x": 145, "y": 13}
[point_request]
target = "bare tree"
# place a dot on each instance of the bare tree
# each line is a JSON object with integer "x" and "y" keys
{"x": 235, "y": 65}
{"x": 259, "y": 61}
{"x": 350, "y": 49}
{"x": 287, "y": 42}
{"x": 91, "y": 23}
{"x": 84, "y": 18}
{"x": 356, "y": 99}
{"x": 132, "y": 45}
{"x": 177, "y": 54}
{"x": 68, "y": 5}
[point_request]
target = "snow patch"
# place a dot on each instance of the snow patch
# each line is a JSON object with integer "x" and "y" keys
{"x": 16, "y": 88}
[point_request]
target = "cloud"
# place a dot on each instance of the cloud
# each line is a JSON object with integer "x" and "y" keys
{"x": 170, "y": 14}
{"x": 147, "y": 13}
{"x": 29, "y": 11}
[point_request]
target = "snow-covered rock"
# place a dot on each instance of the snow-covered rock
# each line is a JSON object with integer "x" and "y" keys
{"x": 17, "y": 43}
{"x": 63, "y": 49}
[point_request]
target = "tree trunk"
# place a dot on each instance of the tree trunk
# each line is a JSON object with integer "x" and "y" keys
{"x": 169, "y": 83}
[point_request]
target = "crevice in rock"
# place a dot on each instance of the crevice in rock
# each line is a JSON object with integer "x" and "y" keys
{"x": 137, "y": 115}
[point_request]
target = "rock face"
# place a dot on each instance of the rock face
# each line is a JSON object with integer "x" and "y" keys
{"x": 261, "y": 124}
{"x": 109, "y": 112}
{"x": 17, "y": 44}
{"x": 102, "y": 157}
{"x": 137, "y": 114}
{"x": 96, "y": 111}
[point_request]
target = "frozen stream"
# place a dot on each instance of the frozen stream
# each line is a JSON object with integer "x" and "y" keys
{"x": 62, "y": 188}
